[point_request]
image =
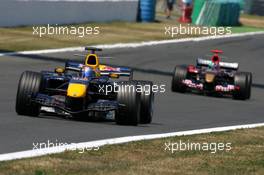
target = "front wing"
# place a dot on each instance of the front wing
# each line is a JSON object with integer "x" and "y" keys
{"x": 99, "y": 106}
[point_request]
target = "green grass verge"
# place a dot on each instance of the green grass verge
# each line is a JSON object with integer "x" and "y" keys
{"x": 149, "y": 157}
{"x": 244, "y": 29}
{"x": 21, "y": 38}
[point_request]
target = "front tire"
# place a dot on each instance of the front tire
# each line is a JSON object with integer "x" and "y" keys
{"x": 180, "y": 74}
{"x": 243, "y": 80}
{"x": 129, "y": 100}
{"x": 249, "y": 85}
{"x": 146, "y": 101}
{"x": 29, "y": 85}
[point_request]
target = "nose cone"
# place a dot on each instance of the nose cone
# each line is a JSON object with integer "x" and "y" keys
{"x": 209, "y": 77}
{"x": 76, "y": 90}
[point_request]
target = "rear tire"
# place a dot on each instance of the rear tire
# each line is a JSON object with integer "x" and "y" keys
{"x": 243, "y": 80}
{"x": 146, "y": 102}
{"x": 129, "y": 111}
{"x": 29, "y": 85}
{"x": 180, "y": 74}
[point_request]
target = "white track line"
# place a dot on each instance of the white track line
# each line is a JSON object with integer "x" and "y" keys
{"x": 133, "y": 45}
{"x": 99, "y": 143}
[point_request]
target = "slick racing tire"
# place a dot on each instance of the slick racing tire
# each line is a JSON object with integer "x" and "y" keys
{"x": 131, "y": 77}
{"x": 243, "y": 80}
{"x": 146, "y": 101}
{"x": 179, "y": 74}
{"x": 249, "y": 75}
{"x": 29, "y": 85}
{"x": 129, "y": 100}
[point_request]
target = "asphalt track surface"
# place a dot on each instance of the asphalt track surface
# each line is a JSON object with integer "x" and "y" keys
{"x": 173, "y": 111}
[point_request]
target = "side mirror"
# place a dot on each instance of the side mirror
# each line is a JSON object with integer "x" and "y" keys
{"x": 59, "y": 70}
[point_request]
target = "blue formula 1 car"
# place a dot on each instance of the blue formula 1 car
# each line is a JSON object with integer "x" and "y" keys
{"x": 86, "y": 90}
{"x": 213, "y": 77}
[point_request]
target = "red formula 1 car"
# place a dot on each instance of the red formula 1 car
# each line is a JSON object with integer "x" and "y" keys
{"x": 213, "y": 77}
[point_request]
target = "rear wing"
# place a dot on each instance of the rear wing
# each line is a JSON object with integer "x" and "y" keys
{"x": 223, "y": 65}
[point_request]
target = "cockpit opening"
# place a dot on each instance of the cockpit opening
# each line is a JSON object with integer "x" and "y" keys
{"x": 91, "y": 60}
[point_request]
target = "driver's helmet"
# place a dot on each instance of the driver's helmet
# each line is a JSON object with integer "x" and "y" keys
{"x": 88, "y": 72}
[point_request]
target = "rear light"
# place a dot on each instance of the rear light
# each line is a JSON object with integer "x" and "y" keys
{"x": 192, "y": 69}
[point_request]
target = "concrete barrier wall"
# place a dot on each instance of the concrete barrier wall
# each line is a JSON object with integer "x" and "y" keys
{"x": 255, "y": 7}
{"x": 258, "y": 7}
{"x": 37, "y": 12}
